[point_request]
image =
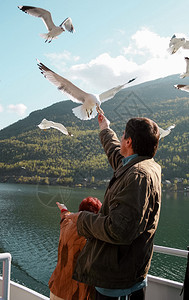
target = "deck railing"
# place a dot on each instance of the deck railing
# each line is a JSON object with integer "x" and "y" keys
{"x": 5, "y": 258}
{"x": 162, "y": 284}
{"x": 171, "y": 251}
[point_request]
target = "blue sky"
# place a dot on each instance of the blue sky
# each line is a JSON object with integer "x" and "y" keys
{"x": 113, "y": 42}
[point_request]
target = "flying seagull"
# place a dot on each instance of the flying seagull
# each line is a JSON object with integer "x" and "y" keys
{"x": 186, "y": 45}
{"x": 183, "y": 75}
{"x": 165, "y": 132}
{"x": 182, "y": 87}
{"x": 175, "y": 44}
{"x": 45, "y": 124}
{"x": 89, "y": 102}
{"x": 45, "y": 15}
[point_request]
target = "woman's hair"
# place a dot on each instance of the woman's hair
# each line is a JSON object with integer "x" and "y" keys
{"x": 144, "y": 134}
{"x": 91, "y": 204}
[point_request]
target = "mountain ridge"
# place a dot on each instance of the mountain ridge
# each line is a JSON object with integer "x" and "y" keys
{"x": 31, "y": 155}
{"x": 65, "y": 106}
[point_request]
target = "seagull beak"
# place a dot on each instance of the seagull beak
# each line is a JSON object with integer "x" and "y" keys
{"x": 70, "y": 134}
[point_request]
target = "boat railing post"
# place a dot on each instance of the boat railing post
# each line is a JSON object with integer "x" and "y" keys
{"x": 6, "y": 259}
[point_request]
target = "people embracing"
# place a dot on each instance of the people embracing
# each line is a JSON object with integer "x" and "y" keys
{"x": 117, "y": 255}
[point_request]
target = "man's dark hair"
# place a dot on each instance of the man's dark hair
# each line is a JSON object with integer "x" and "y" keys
{"x": 144, "y": 134}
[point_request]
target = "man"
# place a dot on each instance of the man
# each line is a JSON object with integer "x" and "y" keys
{"x": 118, "y": 252}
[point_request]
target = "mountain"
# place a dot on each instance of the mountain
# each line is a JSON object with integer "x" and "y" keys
{"x": 28, "y": 154}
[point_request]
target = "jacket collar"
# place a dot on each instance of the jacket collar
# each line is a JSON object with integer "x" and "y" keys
{"x": 127, "y": 159}
{"x": 134, "y": 161}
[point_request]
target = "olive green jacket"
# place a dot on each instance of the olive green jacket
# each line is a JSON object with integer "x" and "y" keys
{"x": 120, "y": 237}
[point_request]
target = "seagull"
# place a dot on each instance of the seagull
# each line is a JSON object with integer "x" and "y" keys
{"x": 182, "y": 87}
{"x": 175, "y": 44}
{"x": 45, "y": 15}
{"x": 186, "y": 45}
{"x": 45, "y": 124}
{"x": 165, "y": 132}
{"x": 87, "y": 110}
{"x": 183, "y": 75}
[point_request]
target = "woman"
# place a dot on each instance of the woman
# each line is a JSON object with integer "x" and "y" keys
{"x": 61, "y": 284}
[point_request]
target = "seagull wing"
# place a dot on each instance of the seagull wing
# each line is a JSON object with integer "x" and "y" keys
{"x": 40, "y": 13}
{"x": 171, "y": 127}
{"x": 182, "y": 87}
{"x": 174, "y": 48}
{"x": 176, "y": 41}
{"x": 172, "y": 40}
{"x": 111, "y": 93}
{"x": 165, "y": 132}
{"x": 161, "y": 132}
{"x": 175, "y": 44}
{"x": 186, "y": 45}
{"x": 171, "y": 50}
{"x": 64, "y": 85}
{"x": 67, "y": 23}
{"x": 59, "y": 127}
{"x": 45, "y": 124}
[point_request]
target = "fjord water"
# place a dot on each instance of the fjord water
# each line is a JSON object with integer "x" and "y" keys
{"x": 29, "y": 230}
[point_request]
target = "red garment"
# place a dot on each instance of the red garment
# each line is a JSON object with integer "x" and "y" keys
{"x": 61, "y": 283}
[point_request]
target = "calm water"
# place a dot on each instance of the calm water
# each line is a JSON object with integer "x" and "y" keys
{"x": 29, "y": 230}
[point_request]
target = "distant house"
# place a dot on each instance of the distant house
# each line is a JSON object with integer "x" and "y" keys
{"x": 179, "y": 179}
{"x": 167, "y": 182}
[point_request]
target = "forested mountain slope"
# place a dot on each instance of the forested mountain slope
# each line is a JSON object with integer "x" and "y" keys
{"x": 28, "y": 154}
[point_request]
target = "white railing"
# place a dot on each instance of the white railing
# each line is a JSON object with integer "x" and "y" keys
{"x": 5, "y": 258}
{"x": 158, "y": 288}
{"x": 161, "y": 288}
{"x": 171, "y": 251}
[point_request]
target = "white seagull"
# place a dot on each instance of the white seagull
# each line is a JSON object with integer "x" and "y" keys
{"x": 183, "y": 75}
{"x": 186, "y": 45}
{"x": 165, "y": 132}
{"x": 89, "y": 102}
{"x": 45, "y": 15}
{"x": 45, "y": 124}
{"x": 182, "y": 87}
{"x": 175, "y": 44}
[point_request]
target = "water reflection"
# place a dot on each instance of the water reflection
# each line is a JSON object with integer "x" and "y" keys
{"x": 30, "y": 230}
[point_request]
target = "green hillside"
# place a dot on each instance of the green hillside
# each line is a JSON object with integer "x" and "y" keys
{"x": 31, "y": 155}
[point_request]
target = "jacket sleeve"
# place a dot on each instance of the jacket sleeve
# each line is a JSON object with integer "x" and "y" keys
{"x": 128, "y": 215}
{"x": 111, "y": 145}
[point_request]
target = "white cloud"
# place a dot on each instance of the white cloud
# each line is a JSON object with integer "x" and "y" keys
{"x": 104, "y": 71}
{"x": 19, "y": 109}
{"x": 151, "y": 42}
{"x": 146, "y": 57}
{"x": 60, "y": 60}
{"x": 63, "y": 55}
{"x": 115, "y": 65}
{"x": 1, "y": 108}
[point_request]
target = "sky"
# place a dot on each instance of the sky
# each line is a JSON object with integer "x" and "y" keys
{"x": 113, "y": 42}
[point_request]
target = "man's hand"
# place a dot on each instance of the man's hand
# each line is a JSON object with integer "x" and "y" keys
{"x": 103, "y": 122}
